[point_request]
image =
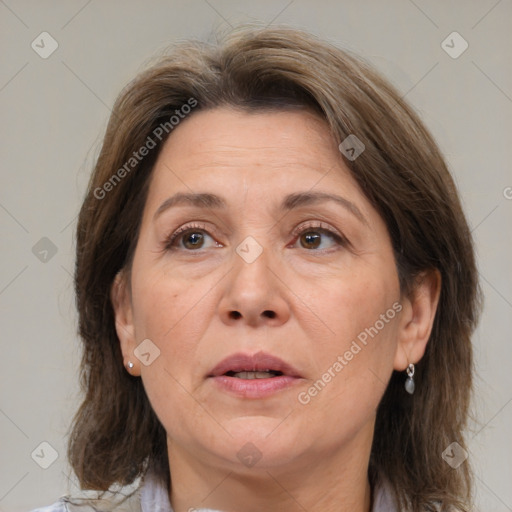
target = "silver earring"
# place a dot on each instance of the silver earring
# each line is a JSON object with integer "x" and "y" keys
{"x": 409, "y": 382}
{"x": 130, "y": 365}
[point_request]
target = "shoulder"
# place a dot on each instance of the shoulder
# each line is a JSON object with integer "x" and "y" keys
{"x": 59, "y": 506}
{"x": 64, "y": 505}
{"x": 70, "y": 504}
{"x": 383, "y": 499}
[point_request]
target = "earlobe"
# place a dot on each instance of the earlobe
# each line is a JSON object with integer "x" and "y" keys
{"x": 122, "y": 306}
{"x": 417, "y": 319}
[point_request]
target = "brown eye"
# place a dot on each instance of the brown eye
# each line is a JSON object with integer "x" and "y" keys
{"x": 190, "y": 238}
{"x": 310, "y": 239}
{"x": 319, "y": 239}
{"x": 193, "y": 240}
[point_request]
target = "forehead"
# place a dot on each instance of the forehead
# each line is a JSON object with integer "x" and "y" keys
{"x": 223, "y": 146}
{"x": 254, "y": 129}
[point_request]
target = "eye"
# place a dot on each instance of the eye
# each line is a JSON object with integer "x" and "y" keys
{"x": 317, "y": 236}
{"x": 190, "y": 238}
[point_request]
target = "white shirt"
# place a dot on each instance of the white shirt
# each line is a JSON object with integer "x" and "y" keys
{"x": 153, "y": 497}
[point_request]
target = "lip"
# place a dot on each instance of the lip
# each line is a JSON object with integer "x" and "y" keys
{"x": 253, "y": 388}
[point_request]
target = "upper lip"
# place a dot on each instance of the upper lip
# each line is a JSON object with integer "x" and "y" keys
{"x": 260, "y": 361}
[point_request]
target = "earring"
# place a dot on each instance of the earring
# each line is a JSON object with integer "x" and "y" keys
{"x": 130, "y": 365}
{"x": 409, "y": 382}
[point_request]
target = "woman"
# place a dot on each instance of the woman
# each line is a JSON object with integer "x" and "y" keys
{"x": 276, "y": 288}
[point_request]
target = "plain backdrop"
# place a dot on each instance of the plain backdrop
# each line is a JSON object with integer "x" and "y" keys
{"x": 54, "y": 113}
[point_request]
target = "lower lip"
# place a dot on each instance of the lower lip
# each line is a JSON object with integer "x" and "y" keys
{"x": 254, "y": 388}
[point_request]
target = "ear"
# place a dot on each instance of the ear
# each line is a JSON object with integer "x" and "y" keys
{"x": 417, "y": 319}
{"x": 120, "y": 296}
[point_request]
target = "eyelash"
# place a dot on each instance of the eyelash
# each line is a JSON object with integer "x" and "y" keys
{"x": 169, "y": 241}
{"x": 310, "y": 226}
{"x": 322, "y": 228}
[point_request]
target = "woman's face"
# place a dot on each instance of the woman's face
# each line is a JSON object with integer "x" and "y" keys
{"x": 258, "y": 251}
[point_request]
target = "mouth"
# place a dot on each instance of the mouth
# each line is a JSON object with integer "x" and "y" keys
{"x": 249, "y": 375}
{"x": 253, "y": 376}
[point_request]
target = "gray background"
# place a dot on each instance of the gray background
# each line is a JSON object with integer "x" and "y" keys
{"x": 54, "y": 113}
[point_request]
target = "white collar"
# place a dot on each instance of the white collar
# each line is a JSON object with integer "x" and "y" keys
{"x": 154, "y": 497}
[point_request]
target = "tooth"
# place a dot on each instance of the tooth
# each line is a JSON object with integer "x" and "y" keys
{"x": 254, "y": 375}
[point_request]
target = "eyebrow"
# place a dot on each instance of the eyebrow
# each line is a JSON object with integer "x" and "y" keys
{"x": 199, "y": 200}
{"x": 302, "y": 199}
{"x": 290, "y": 202}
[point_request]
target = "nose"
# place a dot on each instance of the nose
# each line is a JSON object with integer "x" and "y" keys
{"x": 254, "y": 295}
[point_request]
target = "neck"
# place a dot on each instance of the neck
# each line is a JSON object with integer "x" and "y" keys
{"x": 328, "y": 483}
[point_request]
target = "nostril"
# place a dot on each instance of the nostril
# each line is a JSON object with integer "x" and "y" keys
{"x": 235, "y": 315}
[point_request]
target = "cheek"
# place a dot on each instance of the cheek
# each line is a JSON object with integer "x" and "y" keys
{"x": 354, "y": 302}
{"x": 170, "y": 309}
{"x": 354, "y": 361}
{"x": 174, "y": 314}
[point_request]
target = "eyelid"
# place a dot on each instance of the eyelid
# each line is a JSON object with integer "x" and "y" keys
{"x": 341, "y": 239}
{"x": 321, "y": 226}
{"x": 170, "y": 239}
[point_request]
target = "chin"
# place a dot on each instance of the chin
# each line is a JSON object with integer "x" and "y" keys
{"x": 261, "y": 441}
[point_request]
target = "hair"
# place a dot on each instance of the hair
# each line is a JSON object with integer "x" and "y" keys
{"x": 401, "y": 172}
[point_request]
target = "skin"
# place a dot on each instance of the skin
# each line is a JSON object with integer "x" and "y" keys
{"x": 200, "y": 305}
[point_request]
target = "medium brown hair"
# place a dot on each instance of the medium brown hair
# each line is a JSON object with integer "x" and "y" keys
{"x": 116, "y": 435}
